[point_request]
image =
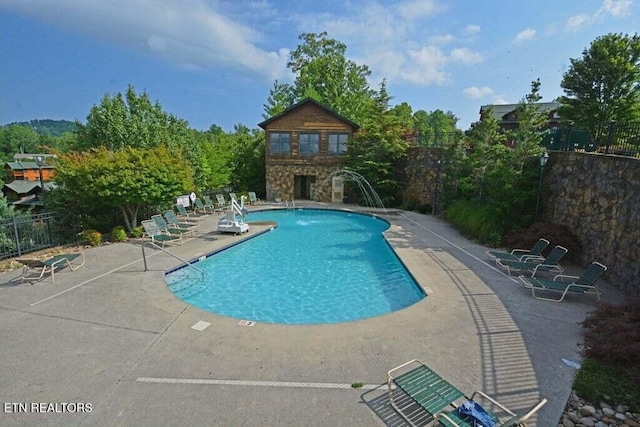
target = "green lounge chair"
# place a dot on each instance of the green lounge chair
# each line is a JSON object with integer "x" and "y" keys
{"x": 233, "y": 197}
{"x": 537, "y": 265}
{"x": 585, "y": 284}
{"x": 173, "y": 221}
{"x": 208, "y": 203}
{"x": 157, "y": 236}
{"x": 221, "y": 201}
{"x": 253, "y": 199}
{"x": 50, "y": 265}
{"x": 190, "y": 216}
{"x": 521, "y": 254}
{"x": 169, "y": 229}
{"x": 202, "y": 208}
{"x": 435, "y": 395}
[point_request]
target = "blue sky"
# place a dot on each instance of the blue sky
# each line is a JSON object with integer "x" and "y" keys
{"x": 214, "y": 62}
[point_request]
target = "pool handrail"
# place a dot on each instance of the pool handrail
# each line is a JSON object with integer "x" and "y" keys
{"x": 144, "y": 258}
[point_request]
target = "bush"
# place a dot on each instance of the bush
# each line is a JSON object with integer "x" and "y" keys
{"x": 475, "y": 221}
{"x": 92, "y": 236}
{"x": 556, "y": 234}
{"x": 137, "y": 232}
{"x": 412, "y": 205}
{"x": 425, "y": 209}
{"x": 613, "y": 336}
{"x": 118, "y": 234}
{"x": 601, "y": 382}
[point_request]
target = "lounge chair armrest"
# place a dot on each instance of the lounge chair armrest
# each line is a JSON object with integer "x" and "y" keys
{"x": 531, "y": 258}
{"x": 551, "y": 267}
{"x": 563, "y": 277}
{"x": 517, "y": 251}
{"x": 397, "y": 368}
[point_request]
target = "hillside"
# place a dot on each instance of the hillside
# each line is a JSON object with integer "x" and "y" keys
{"x": 47, "y": 126}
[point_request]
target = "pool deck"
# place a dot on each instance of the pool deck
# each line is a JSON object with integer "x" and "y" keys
{"x": 111, "y": 334}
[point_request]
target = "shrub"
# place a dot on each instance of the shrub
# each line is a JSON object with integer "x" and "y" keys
{"x": 118, "y": 234}
{"x": 475, "y": 220}
{"x": 613, "y": 336}
{"x": 137, "y": 232}
{"x": 601, "y": 382}
{"x": 425, "y": 209}
{"x": 92, "y": 236}
{"x": 556, "y": 234}
{"x": 412, "y": 204}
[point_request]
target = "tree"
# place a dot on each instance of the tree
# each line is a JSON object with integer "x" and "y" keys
{"x": 532, "y": 122}
{"x": 324, "y": 74}
{"x": 133, "y": 121}
{"x": 127, "y": 179}
{"x": 373, "y": 153}
{"x": 435, "y": 128}
{"x": 604, "y": 84}
{"x": 248, "y": 160}
{"x": 17, "y": 139}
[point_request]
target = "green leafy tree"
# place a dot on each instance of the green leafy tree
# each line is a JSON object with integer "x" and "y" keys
{"x": 133, "y": 121}
{"x": 127, "y": 179}
{"x": 248, "y": 161}
{"x": 374, "y": 151}
{"x": 218, "y": 149}
{"x": 324, "y": 74}
{"x": 17, "y": 139}
{"x": 604, "y": 84}
{"x": 532, "y": 122}
{"x": 435, "y": 128}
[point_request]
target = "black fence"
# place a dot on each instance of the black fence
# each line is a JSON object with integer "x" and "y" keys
{"x": 27, "y": 233}
{"x": 614, "y": 138}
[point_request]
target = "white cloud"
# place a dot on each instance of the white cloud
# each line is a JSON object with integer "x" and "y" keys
{"x": 419, "y": 9}
{"x": 191, "y": 33}
{"x": 616, "y": 8}
{"x": 576, "y": 22}
{"x": 426, "y": 67}
{"x": 442, "y": 39}
{"x": 500, "y": 99}
{"x": 466, "y": 56}
{"x": 475, "y": 92}
{"x": 471, "y": 30}
{"x": 526, "y": 34}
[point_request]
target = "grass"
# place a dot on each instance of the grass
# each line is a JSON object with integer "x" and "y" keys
{"x": 597, "y": 381}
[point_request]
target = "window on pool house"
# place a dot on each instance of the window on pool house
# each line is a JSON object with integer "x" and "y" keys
{"x": 338, "y": 143}
{"x": 308, "y": 143}
{"x": 279, "y": 143}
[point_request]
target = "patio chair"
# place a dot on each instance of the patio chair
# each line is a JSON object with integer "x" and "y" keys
{"x": 157, "y": 236}
{"x": 190, "y": 216}
{"x": 50, "y": 265}
{"x": 221, "y": 201}
{"x": 521, "y": 254}
{"x": 202, "y": 208}
{"x": 164, "y": 226}
{"x": 536, "y": 265}
{"x": 233, "y": 197}
{"x": 434, "y": 395}
{"x": 585, "y": 284}
{"x": 173, "y": 221}
{"x": 253, "y": 199}
{"x": 208, "y": 203}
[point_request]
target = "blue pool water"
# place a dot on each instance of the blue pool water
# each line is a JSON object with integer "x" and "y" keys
{"x": 317, "y": 266}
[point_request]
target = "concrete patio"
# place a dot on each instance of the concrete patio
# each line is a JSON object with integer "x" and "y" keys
{"x": 111, "y": 334}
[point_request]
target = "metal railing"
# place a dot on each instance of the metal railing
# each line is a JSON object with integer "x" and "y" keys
{"x": 27, "y": 233}
{"x": 621, "y": 139}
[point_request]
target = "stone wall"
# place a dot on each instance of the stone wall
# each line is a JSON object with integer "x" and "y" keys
{"x": 280, "y": 181}
{"x": 598, "y": 197}
{"x": 419, "y": 173}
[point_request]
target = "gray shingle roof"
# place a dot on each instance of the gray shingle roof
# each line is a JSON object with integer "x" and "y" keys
{"x": 501, "y": 110}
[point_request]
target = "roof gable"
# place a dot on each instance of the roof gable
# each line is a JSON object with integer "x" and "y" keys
{"x": 305, "y": 102}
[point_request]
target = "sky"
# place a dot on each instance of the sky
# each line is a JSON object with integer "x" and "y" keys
{"x": 214, "y": 62}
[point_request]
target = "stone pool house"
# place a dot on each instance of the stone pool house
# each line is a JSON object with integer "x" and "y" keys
{"x": 304, "y": 145}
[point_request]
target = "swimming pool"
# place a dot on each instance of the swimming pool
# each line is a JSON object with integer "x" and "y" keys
{"x": 317, "y": 266}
